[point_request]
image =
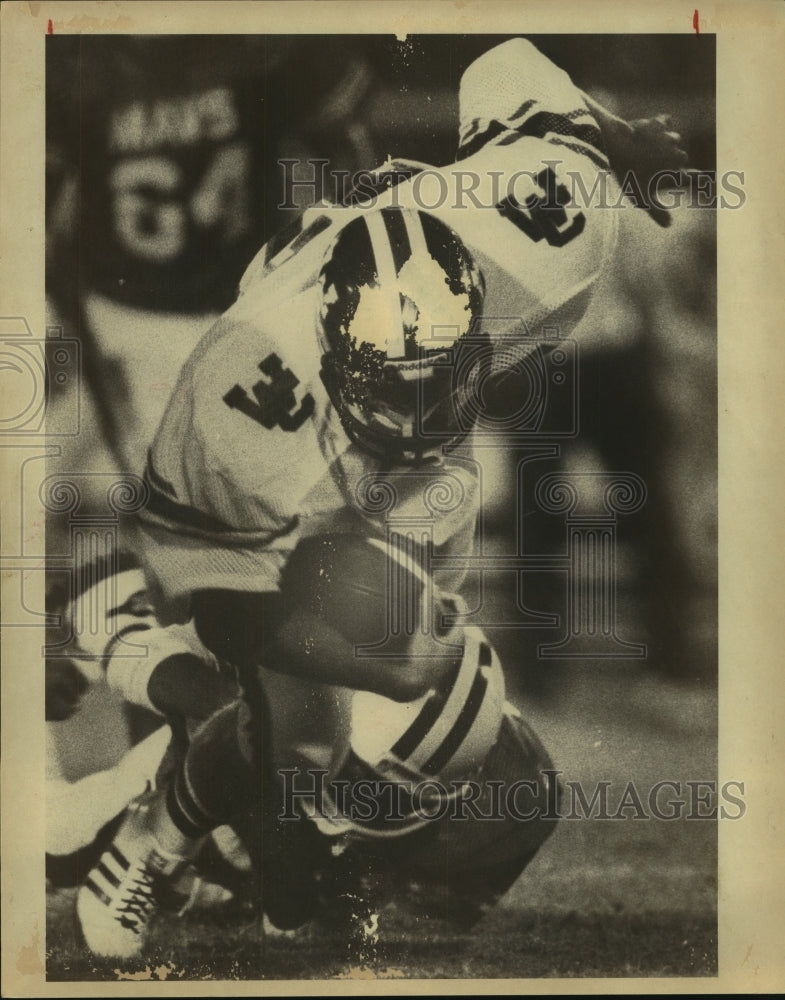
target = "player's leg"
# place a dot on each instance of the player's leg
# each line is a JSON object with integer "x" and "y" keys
{"x": 158, "y": 838}
{"x": 220, "y": 781}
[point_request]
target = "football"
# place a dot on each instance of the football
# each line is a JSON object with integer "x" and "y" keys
{"x": 371, "y": 592}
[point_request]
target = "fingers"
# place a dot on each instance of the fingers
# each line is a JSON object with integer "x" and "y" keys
{"x": 659, "y": 125}
{"x": 660, "y": 215}
{"x": 662, "y": 140}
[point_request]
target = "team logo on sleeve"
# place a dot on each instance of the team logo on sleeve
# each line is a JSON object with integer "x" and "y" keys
{"x": 275, "y": 404}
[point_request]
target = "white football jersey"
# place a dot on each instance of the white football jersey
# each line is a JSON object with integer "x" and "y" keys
{"x": 251, "y": 454}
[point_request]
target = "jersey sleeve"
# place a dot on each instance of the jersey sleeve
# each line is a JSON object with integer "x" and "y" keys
{"x": 514, "y": 91}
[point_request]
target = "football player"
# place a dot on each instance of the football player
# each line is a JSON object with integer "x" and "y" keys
{"x": 120, "y": 643}
{"x": 333, "y": 400}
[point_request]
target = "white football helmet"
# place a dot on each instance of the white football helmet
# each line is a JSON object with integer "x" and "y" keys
{"x": 399, "y": 293}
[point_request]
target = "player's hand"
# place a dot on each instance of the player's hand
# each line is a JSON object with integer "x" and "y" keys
{"x": 644, "y": 148}
{"x": 641, "y": 148}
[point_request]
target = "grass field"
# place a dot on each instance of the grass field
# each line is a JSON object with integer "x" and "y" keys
{"x": 625, "y": 897}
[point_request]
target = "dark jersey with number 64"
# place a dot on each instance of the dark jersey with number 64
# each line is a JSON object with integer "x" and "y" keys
{"x": 175, "y": 140}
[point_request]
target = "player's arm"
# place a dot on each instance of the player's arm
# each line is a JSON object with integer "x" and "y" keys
{"x": 313, "y": 647}
{"x": 253, "y": 629}
{"x": 514, "y": 90}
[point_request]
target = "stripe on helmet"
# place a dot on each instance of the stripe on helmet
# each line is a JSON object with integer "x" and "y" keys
{"x": 461, "y": 727}
{"x": 397, "y": 232}
{"x": 405, "y": 557}
{"x": 408, "y": 742}
{"x": 453, "y": 711}
{"x": 386, "y": 271}
{"x": 416, "y": 234}
{"x": 446, "y": 718}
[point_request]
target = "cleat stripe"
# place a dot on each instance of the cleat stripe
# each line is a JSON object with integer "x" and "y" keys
{"x": 96, "y": 891}
{"x": 119, "y": 857}
{"x": 108, "y": 874}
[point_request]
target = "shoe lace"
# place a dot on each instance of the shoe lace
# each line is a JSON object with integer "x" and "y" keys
{"x": 136, "y": 904}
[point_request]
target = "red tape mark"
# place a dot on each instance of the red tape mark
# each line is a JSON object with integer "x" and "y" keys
{"x": 50, "y": 30}
{"x": 696, "y": 22}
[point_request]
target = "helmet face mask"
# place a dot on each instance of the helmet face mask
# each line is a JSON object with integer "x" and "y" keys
{"x": 399, "y": 292}
{"x": 381, "y": 430}
{"x": 403, "y": 422}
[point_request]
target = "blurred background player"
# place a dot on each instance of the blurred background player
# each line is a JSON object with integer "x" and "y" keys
{"x": 163, "y": 181}
{"x": 365, "y": 389}
{"x": 166, "y": 674}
